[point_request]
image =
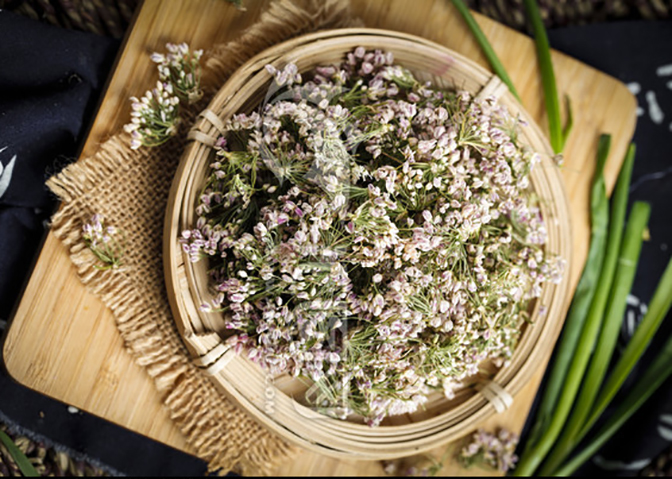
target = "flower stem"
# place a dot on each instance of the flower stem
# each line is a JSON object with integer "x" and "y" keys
{"x": 658, "y": 308}
{"x": 611, "y": 325}
{"x": 655, "y": 375}
{"x": 599, "y": 219}
{"x": 533, "y": 457}
{"x": 547, "y": 75}
{"x": 483, "y": 42}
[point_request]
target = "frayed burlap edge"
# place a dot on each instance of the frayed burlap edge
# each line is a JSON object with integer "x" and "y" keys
{"x": 306, "y": 16}
{"x": 219, "y": 432}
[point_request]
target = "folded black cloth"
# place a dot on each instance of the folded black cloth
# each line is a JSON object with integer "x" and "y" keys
{"x": 50, "y": 82}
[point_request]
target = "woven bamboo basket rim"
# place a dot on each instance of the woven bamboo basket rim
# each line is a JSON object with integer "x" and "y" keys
{"x": 187, "y": 283}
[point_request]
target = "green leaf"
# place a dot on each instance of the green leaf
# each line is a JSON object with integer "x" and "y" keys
{"x": 655, "y": 375}
{"x": 658, "y": 308}
{"x": 19, "y": 457}
{"x": 569, "y": 124}
{"x": 532, "y": 458}
{"x": 483, "y": 42}
{"x": 611, "y": 326}
{"x": 599, "y": 220}
{"x": 547, "y": 75}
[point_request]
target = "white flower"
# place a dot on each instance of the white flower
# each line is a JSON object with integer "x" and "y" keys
{"x": 368, "y": 219}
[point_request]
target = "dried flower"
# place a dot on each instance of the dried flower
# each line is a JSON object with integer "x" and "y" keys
{"x": 155, "y": 117}
{"x": 181, "y": 68}
{"x": 103, "y": 241}
{"x": 493, "y": 450}
{"x": 372, "y": 234}
{"x": 423, "y": 465}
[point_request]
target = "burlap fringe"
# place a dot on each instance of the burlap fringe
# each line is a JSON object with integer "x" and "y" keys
{"x": 219, "y": 432}
{"x": 283, "y": 20}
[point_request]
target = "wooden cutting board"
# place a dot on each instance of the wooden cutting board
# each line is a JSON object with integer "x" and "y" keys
{"x": 63, "y": 341}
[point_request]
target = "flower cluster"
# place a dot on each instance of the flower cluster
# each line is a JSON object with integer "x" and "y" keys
{"x": 155, "y": 117}
{"x": 496, "y": 451}
{"x": 103, "y": 242}
{"x": 181, "y": 68}
{"x": 415, "y": 466}
{"x": 373, "y": 234}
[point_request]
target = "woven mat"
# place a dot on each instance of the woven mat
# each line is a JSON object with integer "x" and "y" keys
{"x": 130, "y": 188}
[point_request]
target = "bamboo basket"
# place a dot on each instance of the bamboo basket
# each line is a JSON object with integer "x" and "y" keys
{"x": 278, "y": 402}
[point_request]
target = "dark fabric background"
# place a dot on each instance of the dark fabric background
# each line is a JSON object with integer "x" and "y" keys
{"x": 50, "y": 79}
{"x": 50, "y": 82}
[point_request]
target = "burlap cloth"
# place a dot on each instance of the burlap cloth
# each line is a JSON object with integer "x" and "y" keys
{"x": 130, "y": 188}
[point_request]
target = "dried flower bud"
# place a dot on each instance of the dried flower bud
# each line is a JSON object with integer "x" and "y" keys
{"x": 372, "y": 234}
{"x": 104, "y": 242}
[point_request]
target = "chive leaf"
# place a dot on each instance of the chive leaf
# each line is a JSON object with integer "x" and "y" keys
{"x": 483, "y": 42}
{"x": 547, "y": 75}
{"x": 611, "y": 325}
{"x": 532, "y": 457}
{"x": 659, "y": 306}
{"x": 569, "y": 124}
{"x": 655, "y": 375}
{"x": 599, "y": 221}
{"x": 26, "y": 467}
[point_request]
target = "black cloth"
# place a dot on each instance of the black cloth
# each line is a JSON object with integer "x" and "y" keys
{"x": 50, "y": 82}
{"x": 50, "y": 79}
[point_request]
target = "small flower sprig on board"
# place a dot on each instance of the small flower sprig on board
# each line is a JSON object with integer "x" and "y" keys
{"x": 416, "y": 466}
{"x": 181, "y": 68}
{"x": 103, "y": 242}
{"x": 156, "y": 115}
{"x": 496, "y": 451}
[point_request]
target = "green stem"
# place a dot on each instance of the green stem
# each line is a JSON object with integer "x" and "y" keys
{"x": 654, "y": 376}
{"x": 26, "y": 467}
{"x": 658, "y": 308}
{"x": 483, "y": 42}
{"x": 547, "y": 75}
{"x": 599, "y": 221}
{"x": 611, "y": 325}
{"x": 570, "y": 122}
{"x": 536, "y": 454}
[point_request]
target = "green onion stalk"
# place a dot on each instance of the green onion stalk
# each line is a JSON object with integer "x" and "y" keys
{"x": 611, "y": 325}
{"x": 533, "y": 456}
{"x": 485, "y": 45}
{"x": 654, "y": 376}
{"x": 585, "y": 291}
